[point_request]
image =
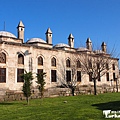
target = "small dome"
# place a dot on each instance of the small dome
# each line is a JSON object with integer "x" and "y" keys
{"x": 98, "y": 51}
{"x": 82, "y": 49}
{"x": 33, "y": 40}
{"x": 61, "y": 45}
{"x": 7, "y": 34}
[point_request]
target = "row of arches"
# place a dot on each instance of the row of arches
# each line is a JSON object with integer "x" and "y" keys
{"x": 40, "y": 60}
{"x": 53, "y": 62}
{"x": 68, "y": 63}
{"x": 3, "y": 58}
{"x": 21, "y": 59}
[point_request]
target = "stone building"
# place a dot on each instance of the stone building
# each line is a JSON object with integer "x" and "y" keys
{"x": 60, "y": 62}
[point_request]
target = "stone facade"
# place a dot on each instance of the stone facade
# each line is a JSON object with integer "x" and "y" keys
{"x": 54, "y": 59}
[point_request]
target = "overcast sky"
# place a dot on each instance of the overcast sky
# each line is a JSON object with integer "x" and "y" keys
{"x": 97, "y": 19}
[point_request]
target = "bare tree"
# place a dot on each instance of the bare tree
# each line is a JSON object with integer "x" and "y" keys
{"x": 96, "y": 65}
{"x": 67, "y": 74}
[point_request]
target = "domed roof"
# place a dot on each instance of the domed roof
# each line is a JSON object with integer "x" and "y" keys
{"x": 32, "y": 40}
{"x": 82, "y": 49}
{"x": 61, "y": 45}
{"x": 98, "y": 51}
{"x": 7, "y": 34}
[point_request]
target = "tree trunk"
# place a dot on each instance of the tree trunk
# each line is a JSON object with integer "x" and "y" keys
{"x": 27, "y": 100}
{"x": 95, "y": 90}
{"x": 73, "y": 90}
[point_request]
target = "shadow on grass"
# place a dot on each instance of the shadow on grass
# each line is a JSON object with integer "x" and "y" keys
{"x": 5, "y": 103}
{"x": 115, "y": 105}
{"x": 13, "y": 103}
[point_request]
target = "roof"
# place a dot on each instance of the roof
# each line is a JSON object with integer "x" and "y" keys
{"x": 82, "y": 49}
{"x": 70, "y": 36}
{"x": 20, "y": 24}
{"x": 49, "y": 31}
{"x": 88, "y": 40}
{"x": 103, "y": 44}
{"x": 61, "y": 45}
{"x": 7, "y": 34}
{"x": 33, "y": 40}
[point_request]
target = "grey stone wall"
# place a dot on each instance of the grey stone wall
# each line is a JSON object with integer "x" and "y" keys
{"x": 11, "y": 95}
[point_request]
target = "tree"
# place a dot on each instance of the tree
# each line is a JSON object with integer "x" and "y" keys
{"x": 70, "y": 84}
{"x": 67, "y": 74}
{"x": 41, "y": 82}
{"x": 27, "y": 77}
{"x": 96, "y": 65}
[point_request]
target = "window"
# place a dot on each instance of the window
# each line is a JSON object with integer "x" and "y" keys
{"x": 113, "y": 66}
{"x": 53, "y": 62}
{"x": 78, "y": 64}
{"x": 114, "y": 77}
{"x": 107, "y": 76}
{"x": 90, "y": 76}
{"x": 2, "y": 75}
{"x": 40, "y": 60}
{"x": 20, "y": 59}
{"x": 98, "y": 66}
{"x": 68, "y": 76}
{"x": 39, "y": 71}
{"x": 78, "y": 76}
{"x": 107, "y": 66}
{"x": 2, "y": 58}
{"x": 67, "y": 63}
{"x": 19, "y": 73}
{"x": 53, "y": 76}
{"x": 90, "y": 64}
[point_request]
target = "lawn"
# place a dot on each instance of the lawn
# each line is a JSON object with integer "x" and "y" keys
{"x": 83, "y": 107}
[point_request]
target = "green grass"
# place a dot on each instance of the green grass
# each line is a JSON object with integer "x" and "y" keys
{"x": 84, "y": 107}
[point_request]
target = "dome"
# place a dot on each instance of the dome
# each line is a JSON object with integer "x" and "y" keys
{"x": 82, "y": 49}
{"x": 7, "y": 34}
{"x": 98, "y": 51}
{"x": 32, "y": 40}
{"x": 61, "y": 45}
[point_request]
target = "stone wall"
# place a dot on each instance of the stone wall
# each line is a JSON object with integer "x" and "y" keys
{"x": 10, "y": 95}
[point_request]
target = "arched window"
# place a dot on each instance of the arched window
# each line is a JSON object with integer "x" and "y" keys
{"x": 40, "y": 60}
{"x": 20, "y": 59}
{"x": 113, "y": 66}
{"x": 90, "y": 64}
{"x": 78, "y": 64}
{"x": 53, "y": 62}
{"x": 67, "y": 63}
{"x": 107, "y": 66}
{"x": 2, "y": 58}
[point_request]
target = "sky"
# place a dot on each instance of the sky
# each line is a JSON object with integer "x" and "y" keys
{"x": 97, "y": 19}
